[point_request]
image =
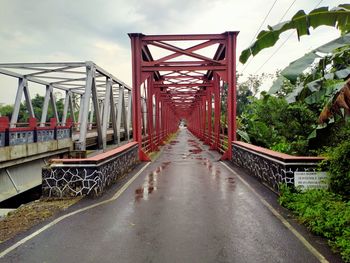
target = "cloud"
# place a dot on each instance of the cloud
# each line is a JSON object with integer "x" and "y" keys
{"x": 66, "y": 30}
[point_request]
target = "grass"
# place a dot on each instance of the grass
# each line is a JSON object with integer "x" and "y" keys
{"x": 31, "y": 214}
{"x": 324, "y": 213}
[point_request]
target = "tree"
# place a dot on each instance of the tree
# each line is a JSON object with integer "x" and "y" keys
{"x": 6, "y": 110}
{"x": 265, "y": 119}
{"x": 37, "y": 103}
{"x": 247, "y": 89}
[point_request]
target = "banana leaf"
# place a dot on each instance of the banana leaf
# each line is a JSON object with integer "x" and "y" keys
{"x": 338, "y": 17}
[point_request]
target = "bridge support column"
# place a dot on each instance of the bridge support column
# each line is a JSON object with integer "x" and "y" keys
{"x": 158, "y": 142}
{"x": 68, "y": 103}
{"x": 129, "y": 114}
{"x": 217, "y": 111}
{"x": 210, "y": 104}
{"x": 137, "y": 80}
{"x": 150, "y": 119}
{"x": 231, "y": 96}
{"x": 84, "y": 109}
{"x": 113, "y": 115}
{"x": 22, "y": 88}
{"x": 120, "y": 111}
{"x": 46, "y": 106}
{"x": 106, "y": 106}
{"x": 203, "y": 118}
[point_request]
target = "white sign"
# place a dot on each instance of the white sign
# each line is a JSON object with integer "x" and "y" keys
{"x": 310, "y": 180}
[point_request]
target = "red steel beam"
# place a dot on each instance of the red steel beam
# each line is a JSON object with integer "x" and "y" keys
{"x": 231, "y": 96}
{"x": 183, "y": 37}
{"x": 174, "y": 82}
{"x": 217, "y": 111}
{"x": 191, "y": 49}
{"x": 190, "y": 68}
{"x": 182, "y": 85}
{"x": 136, "y": 93}
{"x": 181, "y": 51}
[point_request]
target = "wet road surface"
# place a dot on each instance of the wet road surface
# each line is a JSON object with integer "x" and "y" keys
{"x": 185, "y": 207}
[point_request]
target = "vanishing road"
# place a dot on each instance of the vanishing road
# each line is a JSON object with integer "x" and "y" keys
{"x": 184, "y": 207}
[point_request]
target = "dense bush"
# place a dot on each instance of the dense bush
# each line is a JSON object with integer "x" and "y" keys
{"x": 338, "y": 165}
{"x": 273, "y": 123}
{"x": 324, "y": 213}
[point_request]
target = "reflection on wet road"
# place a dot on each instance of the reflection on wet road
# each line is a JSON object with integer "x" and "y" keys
{"x": 150, "y": 183}
{"x": 185, "y": 207}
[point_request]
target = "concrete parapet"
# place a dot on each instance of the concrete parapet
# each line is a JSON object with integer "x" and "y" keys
{"x": 10, "y": 153}
{"x": 270, "y": 167}
{"x": 88, "y": 176}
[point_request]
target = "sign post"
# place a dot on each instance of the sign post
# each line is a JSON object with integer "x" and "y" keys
{"x": 310, "y": 180}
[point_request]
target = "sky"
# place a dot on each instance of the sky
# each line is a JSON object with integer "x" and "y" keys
{"x": 81, "y": 30}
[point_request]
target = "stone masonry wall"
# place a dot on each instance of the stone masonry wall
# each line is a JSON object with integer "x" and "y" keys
{"x": 67, "y": 180}
{"x": 268, "y": 170}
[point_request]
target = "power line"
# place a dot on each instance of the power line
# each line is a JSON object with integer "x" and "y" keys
{"x": 268, "y": 59}
{"x": 318, "y": 4}
{"x": 255, "y": 35}
{"x": 262, "y": 23}
{"x": 247, "y": 65}
{"x": 287, "y": 11}
{"x": 284, "y": 42}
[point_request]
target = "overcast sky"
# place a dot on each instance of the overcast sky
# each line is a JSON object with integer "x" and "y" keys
{"x": 67, "y": 30}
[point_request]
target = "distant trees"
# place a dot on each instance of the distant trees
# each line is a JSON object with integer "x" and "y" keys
{"x": 37, "y": 102}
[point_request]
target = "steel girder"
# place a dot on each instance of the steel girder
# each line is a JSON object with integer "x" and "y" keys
{"x": 183, "y": 84}
{"x": 86, "y": 87}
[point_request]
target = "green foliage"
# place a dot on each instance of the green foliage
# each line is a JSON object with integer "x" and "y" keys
{"x": 315, "y": 90}
{"x": 339, "y": 168}
{"x": 324, "y": 213}
{"x": 287, "y": 121}
{"x": 37, "y": 103}
{"x": 342, "y": 243}
{"x": 334, "y": 65}
{"x": 336, "y": 17}
{"x": 243, "y": 135}
{"x": 336, "y": 133}
{"x": 326, "y": 92}
{"x": 265, "y": 122}
{"x": 248, "y": 89}
{"x": 283, "y": 147}
{"x": 6, "y": 110}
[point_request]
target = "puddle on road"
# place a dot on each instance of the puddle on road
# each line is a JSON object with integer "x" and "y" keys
{"x": 230, "y": 180}
{"x": 165, "y": 164}
{"x": 150, "y": 184}
{"x": 225, "y": 183}
{"x": 221, "y": 183}
{"x": 196, "y": 147}
{"x": 185, "y": 156}
{"x": 195, "y": 151}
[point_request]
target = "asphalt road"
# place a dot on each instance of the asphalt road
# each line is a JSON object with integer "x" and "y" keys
{"x": 184, "y": 207}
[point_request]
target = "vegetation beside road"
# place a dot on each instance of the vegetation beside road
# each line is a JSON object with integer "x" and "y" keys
{"x": 307, "y": 112}
{"x": 324, "y": 213}
{"x": 31, "y": 214}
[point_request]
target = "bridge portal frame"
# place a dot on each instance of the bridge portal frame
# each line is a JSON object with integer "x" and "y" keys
{"x": 185, "y": 88}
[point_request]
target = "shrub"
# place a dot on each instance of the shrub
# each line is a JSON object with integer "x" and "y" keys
{"x": 339, "y": 168}
{"x": 273, "y": 123}
{"x": 324, "y": 213}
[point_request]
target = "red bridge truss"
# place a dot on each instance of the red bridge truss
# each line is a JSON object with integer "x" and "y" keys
{"x": 180, "y": 81}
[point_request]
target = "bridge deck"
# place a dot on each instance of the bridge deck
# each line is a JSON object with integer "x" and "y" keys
{"x": 184, "y": 207}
